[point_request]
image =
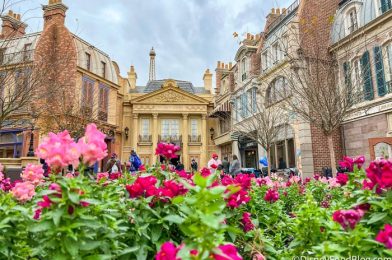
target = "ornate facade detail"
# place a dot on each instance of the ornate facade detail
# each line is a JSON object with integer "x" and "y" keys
{"x": 170, "y": 96}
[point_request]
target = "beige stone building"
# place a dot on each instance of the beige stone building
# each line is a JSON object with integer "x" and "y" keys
{"x": 171, "y": 111}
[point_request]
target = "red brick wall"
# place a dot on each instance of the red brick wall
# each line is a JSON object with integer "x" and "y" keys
{"x": 314, "y": 28}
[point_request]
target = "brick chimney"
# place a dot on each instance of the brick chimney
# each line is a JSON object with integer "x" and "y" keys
{"x": 207, "y": 80}
{"x": 12, "y": 26}
{"x": 132, "y": 77}
{"x": 275, "y": 13}
{"x": 54, "y": 13}
{"x": 221, "y": 70}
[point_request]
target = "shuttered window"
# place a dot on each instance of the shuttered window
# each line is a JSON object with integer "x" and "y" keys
{"x": 378, "y": 61}
{"x": 385, "y": 5}
{"x": 367, "y": 76}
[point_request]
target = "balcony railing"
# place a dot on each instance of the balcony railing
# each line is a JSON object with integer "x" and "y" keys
{"x": 145, "y": 138}
{"x": 103, "y": 116}
{"x": 175, "y": 139}
{"x": 194, "y": 138}
{"x": 16, "y": 57}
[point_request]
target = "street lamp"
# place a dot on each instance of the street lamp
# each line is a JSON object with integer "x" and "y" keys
{"x": 31, "y": 146}
{"x": 126, "y": 131}
{"x": 212, "y": 133}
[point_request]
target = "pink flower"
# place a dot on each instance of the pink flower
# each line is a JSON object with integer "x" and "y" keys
{"x": 342, "y": 179}
{"x": 238, "y": 198}
{"x": 59, "y": 150}
{"x": 347, "y": 218}
{"x": 92, "y": 146}
{"x": 33, "y": 174}
{"x": 45, "y": 203}
{"x": 171, "y": 189}
{"x": 6, "y": 184}
{"x": 385, "y": 236}
{"x": 102, "y": 175}
{"x": 271, "y": 196}
{"x": 333, "y": 182}
{"x": 167, "y": 150}
{"x": 194, "y": 252}
{"x": 168, "y": 252}
{"x": 265, "y": 181}
{"x": 245, "y": 180}
{"x": 380, "y": 173}
{"x": 37, "y": 213}
{"x": 23, "y": 191}
{"x": 227, "y": 252}
{"x": 84, "y": 203}
{"x": 205, "y": 172}
{"x": 247, "y": 222}
{"x": 1, "y": 176}
{"x": 214, "y": 166}
{"x": 349, "y": 162}
{"x": 143, "y": 186}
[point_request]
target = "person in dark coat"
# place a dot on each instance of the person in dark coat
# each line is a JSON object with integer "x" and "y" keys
{"x": 225, "y": 165}
{"x": 180, "y": 166}
{"x": 194, "y": 165}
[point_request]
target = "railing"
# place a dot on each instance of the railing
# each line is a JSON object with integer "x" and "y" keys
{"x": 194, "y": 138}
{"x": 145, "y": 138}
{"x": 103, "y": 116}
{"x": 175, "y": 139}
{"x": 16, "y": 57}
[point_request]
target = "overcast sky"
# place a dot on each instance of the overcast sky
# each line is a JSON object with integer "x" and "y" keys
{"x": 189, "y": 36}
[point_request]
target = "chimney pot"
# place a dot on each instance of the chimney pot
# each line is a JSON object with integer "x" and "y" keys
{"x": 230, "y": 65}
{"x": 273, "y": 11}
{"x": 218, "y": 65}
{"x": 226, "y": 66}
{"x": 277, "y": 10}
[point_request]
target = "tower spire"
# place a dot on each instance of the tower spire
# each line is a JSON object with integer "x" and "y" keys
{"x": 152, "y": 65}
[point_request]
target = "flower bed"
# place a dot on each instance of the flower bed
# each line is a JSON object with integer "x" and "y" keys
{"x": 162, "y": 214}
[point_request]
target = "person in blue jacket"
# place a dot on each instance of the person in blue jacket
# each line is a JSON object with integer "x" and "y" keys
{"x": 135, "y": 161}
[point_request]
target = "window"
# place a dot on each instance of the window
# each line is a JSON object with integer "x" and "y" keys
{"x": 367, "y": 76}
{"x": 388, "y": 62}
{"x": 145, "y": 131}
{"x": 2, "y": 55}
{"x": 170, "y": 128}
{"x": 11, "y": 144}
{"x": 264, "y": 61}
{"x": 87, "y": 96}
{"x": 194, "y": 127}
{"x": 103, "y": 67}
{"x": 238, "y": 108}
{"x": 27, "y": 52}
{"x": 88, "y": 61}
{"x": 103, "y": 102}
{"x": 352, "y": 20}
{"x": 22, "y": 79}
{"x": 385, "y": 5}
{"x": 244, "y": 105}
{"x": 254, "y": 100}
{"x": 282, "y": 152}
{"x": 277, "y": 90}
{"x": 379, "y": 66}
{"x": 243, "y": 69}
{"x": 276, "y": 53}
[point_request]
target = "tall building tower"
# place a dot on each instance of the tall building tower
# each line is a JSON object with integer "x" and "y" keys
{"x": 152, "y": 65}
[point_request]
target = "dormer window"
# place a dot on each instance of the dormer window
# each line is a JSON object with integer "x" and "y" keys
{"x": 352, "y": 20}
{"x": 88, "y": 60}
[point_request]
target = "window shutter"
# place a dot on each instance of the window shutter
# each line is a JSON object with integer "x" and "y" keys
{"x": 379, "y": 71}
{"x": 385, "y": 5}
{"x": 367, "y": 76}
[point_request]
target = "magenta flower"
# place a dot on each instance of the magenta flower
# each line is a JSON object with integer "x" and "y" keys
{"x": 349, "y": 162}
{"x": 247, "y": 222}
{"x": 384, "y": 236}
{"x": 92, "y": 146}
{"x": 33, "y": 174}
{"x": 227, "y": 252}
{"x": 380, "y": 173}
{"x": 348, "y": 218}
{"x": 171, "y": 189}
{"x": 342, "y": 179}
{"x": 23, "y": 191}
{"x": 143, "y": 186}
{"x": 271, "y": 196}
{"x": 205, "y": 172}
{"x": 168, "y": 252}
{"x": 167, "y": 150}
{"x": 237, "y": 199}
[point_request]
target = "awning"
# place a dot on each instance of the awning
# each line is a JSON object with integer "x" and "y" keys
{"x": 223, "y": 110}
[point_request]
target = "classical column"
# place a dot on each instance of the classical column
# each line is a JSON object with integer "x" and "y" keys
{"x": 154, "y": 132}
{"x": 204, "y": 145}
{"x": 185, "y": 141}
{"x": 135, "y": 130}
{"x": 286, "y": 153}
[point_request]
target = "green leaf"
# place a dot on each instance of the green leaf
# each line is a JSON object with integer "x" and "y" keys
{"x": 174, "y": 219}
{"x": 71, "y": 246}
{"x": 90, "y": 245}
{"x": 98, "y": 257}
{"x": 218, "y": 190}
{"x": 200, "y": 180}
{"x": 74, "y": 197}
{"x": 128, "y": 250}
{"x": 57, "y": 216}
{"x": 178, "y": 200}
{"x": 376, "y": 217}
{"x": 41, "y": 226}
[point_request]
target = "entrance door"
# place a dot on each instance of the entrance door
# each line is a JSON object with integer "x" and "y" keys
{"x": 380, "y": 148}
{"x": 250, "y": 159}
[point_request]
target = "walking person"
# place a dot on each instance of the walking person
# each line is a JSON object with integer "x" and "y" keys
{"x": 226, "y": 165}
{"x": 213, "y": 163}
{"x": 235, "y": 166}
{"x": 135, "y": 161}
{"x": 113, "y": 165}
{"x": 194, "y": 165}
{"x": 180, "y": 166}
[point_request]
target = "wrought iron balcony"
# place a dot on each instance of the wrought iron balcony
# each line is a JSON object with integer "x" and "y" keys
{"x": 194, "y": 138}
{"x": 16, "y": 57}
{"x": 174, "y": 139}
{"x": 145, "y": 138}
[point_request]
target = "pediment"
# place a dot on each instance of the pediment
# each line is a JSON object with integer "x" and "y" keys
{"x": 170, "y": 95}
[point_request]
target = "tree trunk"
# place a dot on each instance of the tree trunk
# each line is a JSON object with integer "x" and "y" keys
{"x": 332, "y": 154}
{"x": 268, "y": 162}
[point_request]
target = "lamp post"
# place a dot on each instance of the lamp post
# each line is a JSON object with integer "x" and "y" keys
{"x": 126, "y": 132}
{"x": 212, "y": 133}
{"x": 31, "y": 146}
